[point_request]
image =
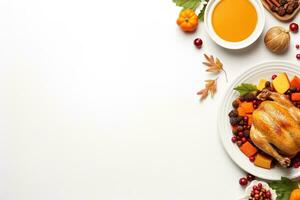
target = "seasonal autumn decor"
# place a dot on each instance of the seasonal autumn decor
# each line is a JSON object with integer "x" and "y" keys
{"x": 187, "y": 20}
{"x": 214, "y": 65}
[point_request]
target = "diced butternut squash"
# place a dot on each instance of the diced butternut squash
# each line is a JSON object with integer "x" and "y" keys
{"x": 248, "y": 107}
{"x": 250, "y": 120}
{"x": 295, "y": 82}
{"x": 295, "y": 96}
{"x": 263, "y": 161}
{"x": 261, "y": 84}
{"x": 281, "y": 83}
{"x": 248, "y": 149}
{"x": 241, "y": 111}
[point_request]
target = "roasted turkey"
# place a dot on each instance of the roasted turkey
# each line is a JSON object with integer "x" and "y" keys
{"x": 276, "y": 127}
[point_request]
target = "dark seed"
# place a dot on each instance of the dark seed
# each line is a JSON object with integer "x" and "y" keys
{"x": 234, "y": 121}
{"x": 233, "y": 113}
{"x": 235, "y": 104}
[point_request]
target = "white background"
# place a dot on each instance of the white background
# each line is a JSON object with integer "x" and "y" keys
{"x": 98, "y": 101}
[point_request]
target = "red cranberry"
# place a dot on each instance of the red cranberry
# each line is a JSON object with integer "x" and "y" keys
{"x": 274, "y": 76}
{"x": 244, "y": 140}
{"x": 234, "y": 139}
{"x": 250, "y": 177}
{"x": 198, "y": 42}
{"x": 296, "y": 165}
{"x": 297, "y": 46}
{"x": 241, "y": 134}
{"x": 298, "y": 56}
{"x": 243, "y": 181}
{"x": 294, "y": 27}
{"x": 259, "y": 185}
{"x": 268, "y": 194}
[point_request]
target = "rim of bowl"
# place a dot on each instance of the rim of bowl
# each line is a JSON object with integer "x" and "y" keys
{"x": 235, "y": 45}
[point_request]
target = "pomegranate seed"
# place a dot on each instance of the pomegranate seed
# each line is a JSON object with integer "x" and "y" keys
{"x": 297, "y": 46}
{"x": 274, "y": 76}
{"x": 259, "y": 185}
{"x": 252, "y": 158}
{"x": 294, "y": 27}
{"x": 298, "y": 56}
{"x": 246, "y": 118}
{"x": 298, "y": 89}
{"x": 198, "y": 42}
{"x": 243, "y": 181}
{"x": 268, "y": 194}
{"x": 234, "y": 139}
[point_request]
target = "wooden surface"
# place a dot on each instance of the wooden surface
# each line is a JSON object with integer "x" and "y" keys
{"x": 285, "y": 18}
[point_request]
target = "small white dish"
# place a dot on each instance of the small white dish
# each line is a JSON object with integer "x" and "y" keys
{"x": 265, "y": 185}
{"x": 235, "y": 45}
{"x": 253, "y": 75}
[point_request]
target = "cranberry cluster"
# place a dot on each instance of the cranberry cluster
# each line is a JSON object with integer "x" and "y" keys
{"x": 244, "y": 180}
{"x": 260, "y": 193}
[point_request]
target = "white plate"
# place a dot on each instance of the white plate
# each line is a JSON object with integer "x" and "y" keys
{"x": 235, "y": 45}
{"x": 264, "y": 70}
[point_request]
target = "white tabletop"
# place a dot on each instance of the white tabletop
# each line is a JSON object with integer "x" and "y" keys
{"x": 98, "y": 101}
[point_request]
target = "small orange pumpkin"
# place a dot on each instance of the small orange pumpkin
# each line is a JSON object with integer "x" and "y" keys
{"x": 188, "y": 20}
{"x": 295, "y": 195}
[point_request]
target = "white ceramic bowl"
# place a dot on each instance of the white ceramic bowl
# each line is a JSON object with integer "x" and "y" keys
{"x": 235, "y": 45}
{"x": 253, "y": 75}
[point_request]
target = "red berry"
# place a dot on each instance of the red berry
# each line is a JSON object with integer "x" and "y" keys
{"x": 298, "y": 56}
{"x": 244, "y": 140}
{"x": 268, "y": 194}
{"x": 250, "y": 177}
{"x": 259, "y": 185}
{"x": 246, "y": 118}
{"x": 274, "y": 76}
{"x": 241, "y": 134}
{"x": 198, "y": 42}
{"x": 234, "y": 139}
{"x": 243, "y": 181}
{"x": 296, "y": 165}
{"x": 294, "y": 27}
{"x": 297, "y": 46}
{"x": 252, "y": 158}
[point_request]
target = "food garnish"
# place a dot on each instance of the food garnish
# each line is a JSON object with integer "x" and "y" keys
{"x": 246, "y": 88}
{"x": 283, "y": 188}
{"x": 277, "y": 39}
{"x": 210, "y": 87}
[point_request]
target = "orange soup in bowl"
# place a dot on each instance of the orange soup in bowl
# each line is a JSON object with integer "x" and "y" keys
{"x": 234, "y": 20}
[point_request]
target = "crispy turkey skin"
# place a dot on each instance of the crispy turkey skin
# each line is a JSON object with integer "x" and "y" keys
{"x": 276, "y": 127}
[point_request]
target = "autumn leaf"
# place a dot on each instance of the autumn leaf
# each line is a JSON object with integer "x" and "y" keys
{"x": 214, "y": 65}
{"x": 210, "y": 87}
